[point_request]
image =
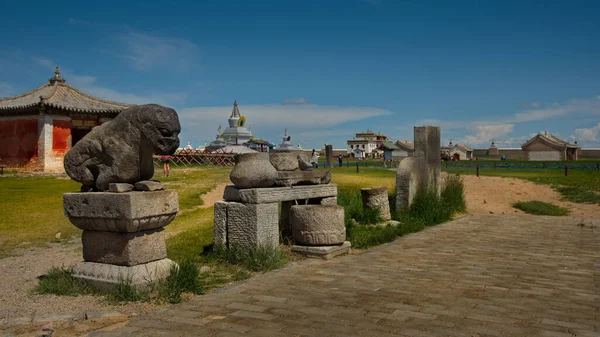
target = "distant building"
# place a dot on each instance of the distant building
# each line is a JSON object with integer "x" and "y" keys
{"x": 545, "y": 146}
{"x": 461, "y": 152}
{"x": 259, "y": 145}
{"x": 406, "y": 148}
{"x": 366, "y": 144}
{"x": 38, "y": 127}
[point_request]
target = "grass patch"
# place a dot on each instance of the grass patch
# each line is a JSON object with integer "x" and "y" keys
{"x": 427, "y": 209}
{"x": 184, "y": 278}
{"x": 540, "y": 208}
{"x": 256, "y": 259}
{"x": 59, "y": 281}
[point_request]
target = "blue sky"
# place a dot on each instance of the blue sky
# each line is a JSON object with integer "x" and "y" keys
{"x": 324, "y": 69}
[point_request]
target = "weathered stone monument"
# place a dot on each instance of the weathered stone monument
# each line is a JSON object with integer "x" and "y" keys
{"x": 329, "y": 155}
{"x": 421, "y": 172}
{"x": 250, "y": 214}
{"x": 121, "y": 212}
{"x": 377, "y": 198}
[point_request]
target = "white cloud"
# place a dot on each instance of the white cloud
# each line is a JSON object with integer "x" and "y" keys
{"x": 145, "y": 51}
{"x": 300, "y": 100}
{"x": 305, "y": 122}
{"x": 44, "y": 62}
{"x": 534, "y": 105}
{"x": 485, "y": 133}
{"x": 276, "y": 115}
{"x": 588, "y": 134}
{"x": 575, "y": 106}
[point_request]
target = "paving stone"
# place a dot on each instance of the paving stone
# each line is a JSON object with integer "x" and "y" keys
{"x": 480, "y": 275}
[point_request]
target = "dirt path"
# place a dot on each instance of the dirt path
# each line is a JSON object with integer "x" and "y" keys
{"x": 495, "y": 195}
{"x": 216, "y": 194}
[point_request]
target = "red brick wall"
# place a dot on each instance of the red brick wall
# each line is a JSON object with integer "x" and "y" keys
{"x": 18, "y": 141}
{"x": 61, "y": 133}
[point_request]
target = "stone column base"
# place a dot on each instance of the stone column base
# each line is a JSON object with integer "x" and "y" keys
{"x": 103, "y": 276}
{"x": 323, "y": 252}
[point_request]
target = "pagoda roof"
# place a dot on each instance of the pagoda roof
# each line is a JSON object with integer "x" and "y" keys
{"x": 405, "y": 144}
{"x": 390, "y": 146}
{"x": 59, "y": 95}
{"x": 549, "y": 139}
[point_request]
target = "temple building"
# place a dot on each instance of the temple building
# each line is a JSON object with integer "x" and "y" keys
{"x": 546, "y": 146}
{"x": 236, "y": 133}
{"x": 366, "y": 144}
{"x": 38, "y": 127}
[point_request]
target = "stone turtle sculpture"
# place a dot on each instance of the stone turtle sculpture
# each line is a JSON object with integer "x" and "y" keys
{"x": 120, "y": 151}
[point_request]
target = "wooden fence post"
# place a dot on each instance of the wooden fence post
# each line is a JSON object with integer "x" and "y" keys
{"x": 477, "y": 167}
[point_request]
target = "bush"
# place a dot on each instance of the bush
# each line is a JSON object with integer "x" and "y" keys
{"x": 262, "y": 258}
{"x": 540, "y": 208}
{"x": 453, "y": 193}
{"x": 60, "y": 281}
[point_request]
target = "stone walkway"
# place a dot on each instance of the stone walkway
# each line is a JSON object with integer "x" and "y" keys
{"x": 484, "y": 275}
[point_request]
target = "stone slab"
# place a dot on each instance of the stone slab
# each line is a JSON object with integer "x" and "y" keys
{"x": 102, "y": 275}
{"x": 323, "y": 252}
{"x": 121, "y": 212}
{"x": 292, "y": 178}
{"x": 149, "y": 185}
{"x": 252, "y": 224}
{"x": 124, "y": 249}
{"x": 276, "y": 194}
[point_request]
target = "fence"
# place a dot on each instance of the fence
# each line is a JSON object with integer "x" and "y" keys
{"x": 196, "y": 157}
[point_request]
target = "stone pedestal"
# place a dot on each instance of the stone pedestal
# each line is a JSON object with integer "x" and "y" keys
{"x": 122, "y": 235}
{"x": 251, "y": 216}
{"x": 319, "y": 231}
{"x": 377, "y": 198}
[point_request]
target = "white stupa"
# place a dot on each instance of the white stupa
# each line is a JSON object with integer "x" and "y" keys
{"x": 286, "y": 145}
{"x": 236, "y": 133}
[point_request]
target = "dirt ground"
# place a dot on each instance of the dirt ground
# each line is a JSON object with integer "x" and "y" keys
{"x": 18, "y": 274}
{"x": 495, "y": 195}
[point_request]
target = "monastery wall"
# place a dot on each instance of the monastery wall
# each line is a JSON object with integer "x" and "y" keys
{"x": 18, "y": 141}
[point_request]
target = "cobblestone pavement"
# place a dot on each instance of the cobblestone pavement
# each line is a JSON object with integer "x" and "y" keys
{"x": 484, "y": 275}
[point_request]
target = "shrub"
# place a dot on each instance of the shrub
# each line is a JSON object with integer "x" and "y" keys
{"x": 60, "y": 281}
{"x": 453, "y": 193}
{"x": 540, "y": 208}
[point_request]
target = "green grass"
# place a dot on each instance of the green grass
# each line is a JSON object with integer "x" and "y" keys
{"x": 580, "y": 186}
{"x": 540, "y": 208}
{"x": 32, "y": 207}
{"x": 427, "y": 209}
{"x": 184, "y": 278}
{"x": 58, "y": 281}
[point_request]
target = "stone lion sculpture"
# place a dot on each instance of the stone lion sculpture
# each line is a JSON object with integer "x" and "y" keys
{"x": 120, "y": 151}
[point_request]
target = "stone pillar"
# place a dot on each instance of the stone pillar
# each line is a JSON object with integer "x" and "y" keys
{"x": 329, "y": 155}
{"x": 377, "y": 198}
{"x": 122, "y": 235}
{"x": 45, "y": 155}
{"x": 427, "y": 145}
